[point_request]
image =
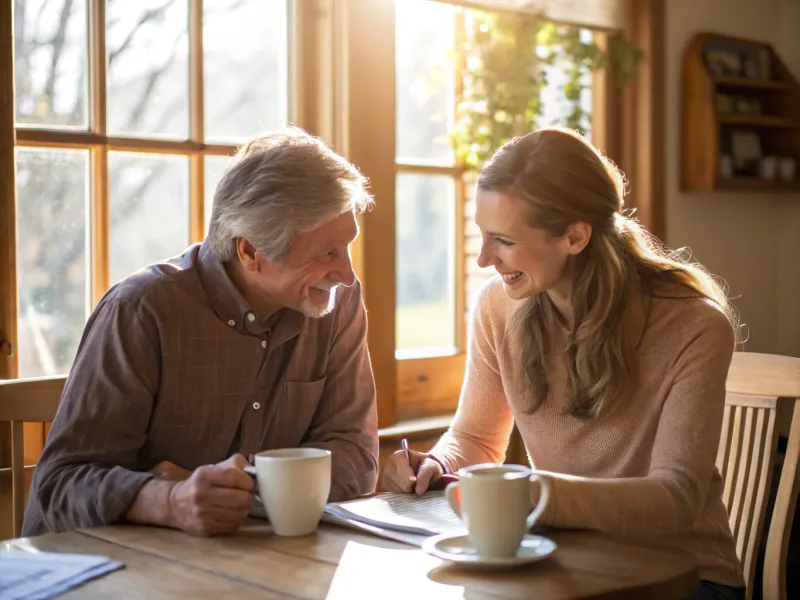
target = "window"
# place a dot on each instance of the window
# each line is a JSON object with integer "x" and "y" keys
{"x": 437, "y": 241}
{"x": 426, "y": 197}
{"x": 125, "y": 115}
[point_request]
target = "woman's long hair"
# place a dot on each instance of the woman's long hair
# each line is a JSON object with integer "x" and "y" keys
{"x": 563, "y": 180}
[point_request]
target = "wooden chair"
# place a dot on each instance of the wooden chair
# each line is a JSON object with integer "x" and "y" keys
{"x": 756, "y": 385}
{"x": 26, "y": 401}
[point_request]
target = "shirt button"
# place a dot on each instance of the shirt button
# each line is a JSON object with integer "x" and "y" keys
{"x": 256, "y": 405}
{"x": 251, "y": 317}
{"x": 263, "y": 344}
{"x": 250, "y": 458}
{"x": 232, "y": 323}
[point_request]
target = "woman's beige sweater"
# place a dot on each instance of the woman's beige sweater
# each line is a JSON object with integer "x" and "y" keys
{"x": 646, "y": 469}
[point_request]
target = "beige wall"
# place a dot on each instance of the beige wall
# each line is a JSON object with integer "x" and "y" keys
{"x": 752, "y": 240}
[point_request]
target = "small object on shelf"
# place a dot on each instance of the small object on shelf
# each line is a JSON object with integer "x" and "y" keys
{"x": 725, "y": 166}
{"x": 788, "y": 168}
{"x": 768, "y": 168}
{"x": 725, "y": 103}
{"x": 746, "y": 147}
{"x": 741, "y": 117}
{"x": 748, "y": 106}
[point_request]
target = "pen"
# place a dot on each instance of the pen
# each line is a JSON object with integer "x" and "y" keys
{"x": 404, "y": 446}
{"x": 443, "y": 480}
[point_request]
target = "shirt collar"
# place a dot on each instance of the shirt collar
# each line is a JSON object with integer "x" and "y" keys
{"x": 234, "y": 310}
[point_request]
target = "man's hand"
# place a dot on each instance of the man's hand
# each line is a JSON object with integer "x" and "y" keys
{"x": 170, "y": 471}
{"x": 214, "y": 499}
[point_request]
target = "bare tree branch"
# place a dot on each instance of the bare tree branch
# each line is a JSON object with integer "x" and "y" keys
{"x": 147, "y": 16}
{"x": 152, "y": 80}
{"x": 58, "y": 46}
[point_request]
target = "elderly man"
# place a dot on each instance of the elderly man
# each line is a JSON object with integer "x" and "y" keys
{"x": 255, "y": 339}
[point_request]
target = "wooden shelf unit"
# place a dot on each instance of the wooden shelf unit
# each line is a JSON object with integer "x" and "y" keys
{"x": 706, "y": 131}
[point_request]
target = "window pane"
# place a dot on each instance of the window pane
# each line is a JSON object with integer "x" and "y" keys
{"x": 149, "y": 210}
{"x": 562, "y": 103}
{"x": 426, "y": 279}
{"x": 51, "y": 258}
{"x": 50, "y": 62}
{"x": 148, "y": 68}
{"x": 214, "y": 170}
{"x": 246, "y": 89}
{"x": 425, "y": 39}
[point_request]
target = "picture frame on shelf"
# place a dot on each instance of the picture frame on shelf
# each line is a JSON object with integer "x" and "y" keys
{"x": 729, "y": 59}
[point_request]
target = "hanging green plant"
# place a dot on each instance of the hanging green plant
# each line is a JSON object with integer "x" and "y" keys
{"x": 506, "y": 63}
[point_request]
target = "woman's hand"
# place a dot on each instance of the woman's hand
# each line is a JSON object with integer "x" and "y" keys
{"x": 400, "y": 476}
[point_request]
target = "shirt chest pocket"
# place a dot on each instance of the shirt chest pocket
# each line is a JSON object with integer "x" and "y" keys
{"x": 301, "y": 402}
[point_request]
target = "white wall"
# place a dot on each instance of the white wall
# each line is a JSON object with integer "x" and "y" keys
{"x": 752, "y": 240}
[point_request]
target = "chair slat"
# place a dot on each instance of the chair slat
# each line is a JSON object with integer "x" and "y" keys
{"x": 744, "y": 466}
{"x": 732, "y": 473}
{"x": 751, "y": 492}
{"x": 724, "y": 442}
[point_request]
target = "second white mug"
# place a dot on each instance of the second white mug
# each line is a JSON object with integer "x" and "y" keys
{"x": 494, "y": 503}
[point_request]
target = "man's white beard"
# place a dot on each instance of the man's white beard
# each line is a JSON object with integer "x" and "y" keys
{"x": 317, "y": 311}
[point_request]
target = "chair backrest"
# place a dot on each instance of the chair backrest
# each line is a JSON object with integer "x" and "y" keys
{"x": 757, "y": 384}
{"x": 26, "y": 401}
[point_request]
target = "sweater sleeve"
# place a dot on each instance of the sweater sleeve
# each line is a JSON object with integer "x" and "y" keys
{"x": 670, "y": 497}
{"x": 482, "y": 424}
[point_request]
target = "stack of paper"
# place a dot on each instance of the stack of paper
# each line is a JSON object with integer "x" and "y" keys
{"x": 424, "y": 515}
{"x": 39, "y": 575}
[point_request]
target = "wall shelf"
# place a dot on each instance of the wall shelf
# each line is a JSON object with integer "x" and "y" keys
{"x": 736, "y": 89}
{"x": 756, "y": 120}
{"x": 745, "y": 83}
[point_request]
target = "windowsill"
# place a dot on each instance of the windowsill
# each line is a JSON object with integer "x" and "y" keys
{"x": 415, "y": 427}
{"x": 427, "y": 352}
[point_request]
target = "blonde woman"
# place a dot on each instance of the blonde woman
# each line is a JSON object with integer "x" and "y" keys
{"x": 607, "y": 352}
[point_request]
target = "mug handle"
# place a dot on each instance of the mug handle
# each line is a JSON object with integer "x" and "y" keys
{"x": 544, "y": 496}
{"x": 451, "y": 492}
{"x": 251, "y": 470}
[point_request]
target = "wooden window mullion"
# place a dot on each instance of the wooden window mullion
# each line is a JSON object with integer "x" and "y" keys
{"x": 99, "y": 202}
{"x": 197, "y": 123}
{"x": 8, "y": 210}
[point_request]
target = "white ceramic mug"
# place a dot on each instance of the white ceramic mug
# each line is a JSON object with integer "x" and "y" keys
{"x": 293, "y": 485}
{"x": 494, "y": 503}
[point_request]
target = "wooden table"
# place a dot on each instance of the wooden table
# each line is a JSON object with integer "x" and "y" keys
{"x": 339, "y": 563}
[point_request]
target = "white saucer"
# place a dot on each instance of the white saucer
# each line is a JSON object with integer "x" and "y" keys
{"x": 458, "y": 550}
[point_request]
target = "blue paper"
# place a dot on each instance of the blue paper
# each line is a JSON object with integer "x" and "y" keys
{"x": 40, "y": 575}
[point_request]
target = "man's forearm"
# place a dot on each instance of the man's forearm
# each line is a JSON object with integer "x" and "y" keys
{"x": 354, "y": 469}
{"x": 152, "y": 506}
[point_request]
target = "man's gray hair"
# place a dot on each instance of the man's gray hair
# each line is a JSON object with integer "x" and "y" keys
{"x": 279, "y": 185}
